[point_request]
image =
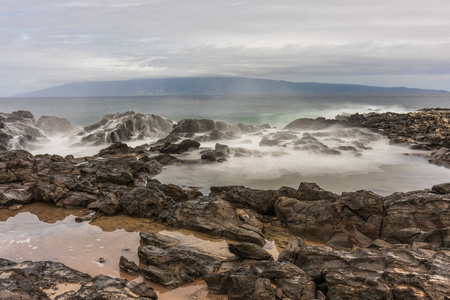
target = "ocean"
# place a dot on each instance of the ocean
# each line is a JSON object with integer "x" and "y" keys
{"x": 383, "y": 169}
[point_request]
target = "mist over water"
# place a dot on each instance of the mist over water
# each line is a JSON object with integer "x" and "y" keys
{"x": 381, "y": 167}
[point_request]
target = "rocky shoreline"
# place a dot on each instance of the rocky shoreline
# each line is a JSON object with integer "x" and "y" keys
{"x": 374, "y": 247}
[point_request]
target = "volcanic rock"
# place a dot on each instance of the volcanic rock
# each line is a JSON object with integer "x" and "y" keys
{"x": 393, "y": 273}
{"x": 212, "y": 216}
{"x": 250, "y": 251}
{"x": 177, "y": 265}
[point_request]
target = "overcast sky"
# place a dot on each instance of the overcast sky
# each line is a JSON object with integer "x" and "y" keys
{"x": 385, "y": 42}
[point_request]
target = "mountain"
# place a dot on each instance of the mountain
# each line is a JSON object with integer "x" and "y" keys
{"x": 211, "y": 86}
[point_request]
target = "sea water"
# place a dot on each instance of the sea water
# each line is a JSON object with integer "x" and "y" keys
{"x": 384, "y": 168}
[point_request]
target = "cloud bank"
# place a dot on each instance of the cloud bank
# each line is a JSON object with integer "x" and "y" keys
{"x": 388, "y": 43}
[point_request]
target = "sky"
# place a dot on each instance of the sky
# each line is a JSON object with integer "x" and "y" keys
{"x": 385, "y": 42}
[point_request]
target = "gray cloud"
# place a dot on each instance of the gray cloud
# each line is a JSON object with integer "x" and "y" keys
{"x": 386, "y": 43}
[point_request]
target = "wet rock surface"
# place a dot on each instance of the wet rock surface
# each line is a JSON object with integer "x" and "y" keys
{"x": 255, "y": 280}
{"x": 393, "y": 247}
{"x": 19, "y": 130}
{"x": 123, "y": 127}
{"x": 212, "y": 216}
{"x": 29, "y": 280}
{"x": 397, "y": 272}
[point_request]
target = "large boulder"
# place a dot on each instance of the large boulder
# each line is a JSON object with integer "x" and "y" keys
{"x": 263, "y": 201}
{"x": 19, "y": 130}
{"x": 353, "y": 219}
{"x": 39, "y": 280}
{"x": 390, "y": 273}
{"x": 408, "y": 215}
{"x": 249, "y": 251}
{"x": 122, "y": 127}
{"x": 212, "y": 216}
{"x": 177, "y": 265}
{"x": 254, "y": 281}
{"x": 313, "y": 124}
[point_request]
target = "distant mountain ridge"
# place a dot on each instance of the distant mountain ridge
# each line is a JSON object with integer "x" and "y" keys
{"x": 211, "y": 86}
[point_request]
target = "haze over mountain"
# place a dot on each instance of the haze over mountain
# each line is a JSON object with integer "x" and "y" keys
{"x": 211, "y": 86}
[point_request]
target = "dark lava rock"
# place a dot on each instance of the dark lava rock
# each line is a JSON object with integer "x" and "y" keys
{"x": 194, "y": 126}
{"x": 14, "y": 194}
{"x": 211, "y": 216}
{"x": 178, "y": 194}
{"x": 313, "y": 124}
{"x": 16, "y": 166}
{"x": 127, "y": 266}
{"x": 117, "y": 149}
{"x": 426, "y": 130}
{"x": 440, "y": 157}
{"x": 29, "y": 280}
{"x": 443, "y": 188}
{"x": 248, "y": 282}
{"x": 122, "y": 127}
{"x": 143, "y": 202}
{"x": 167, "y": 159}
{"x": 392, "y": 273}
{"x": 19, "y": 130}
{"x": 214, "y": 155}
{"x": 107, "y": 288}
{"x": 250, "y": 251}
{"x": 352, "y": 219}
{"x": 182, "y": 147}
{"x": 407, "y": 215}
{"x": 178, "y": 265}
{"x": 263, "y": 201}
{"x": 158, "y": 240}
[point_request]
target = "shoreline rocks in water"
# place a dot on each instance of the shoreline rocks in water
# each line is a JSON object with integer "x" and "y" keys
{"x": 30, "y": 281}
{"x": 394, "y": 247}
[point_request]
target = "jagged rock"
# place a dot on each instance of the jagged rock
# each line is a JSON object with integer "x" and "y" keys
{"x": 52, "y": 164}
{"x": 53, "y": 125}
{"x": 158, "y": 240}
{"x": 16, "y": 166}
{"x": 443, "y": 188}
{"x": 440, "y": 157}
{"x": 194, "y": 126}
{"x": 393, "y": 273}
{"x": 27, "y": 279}
{"x": 426, "y": 130}
{"x": 211, "y": 216}
{"x": 250, "y": 251}
{"x": 125, "y": 127}
{"x": 264, "y": 290}
{"x": 352, "y": 219}
{"x": 244, "y": 282}
{"x": 117, "y": 149}
{"x": 313, "y": 124}
{"x": 263, "y": 201}
{"x": 127, "y": 266}
{"x": 214, "y": 155}
{"x": 178, "y": 265}
{"x": 14, "y": 195}
{"x": 407, "y": 215}
{"x": 143, "y": 202}
{"x": 106, "y": 203}
{"x": 107, "y": 288}
{"x": 167, "y": 159}
{"x": 19, "y": 130}
{"x": 182, "y": 147}
{"x": 178, "y": 194}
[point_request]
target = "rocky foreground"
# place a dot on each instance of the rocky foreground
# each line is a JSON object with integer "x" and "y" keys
{"x": 373, "y": 247}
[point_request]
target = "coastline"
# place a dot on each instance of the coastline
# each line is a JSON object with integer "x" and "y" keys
{"x": 351, "y": 226}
